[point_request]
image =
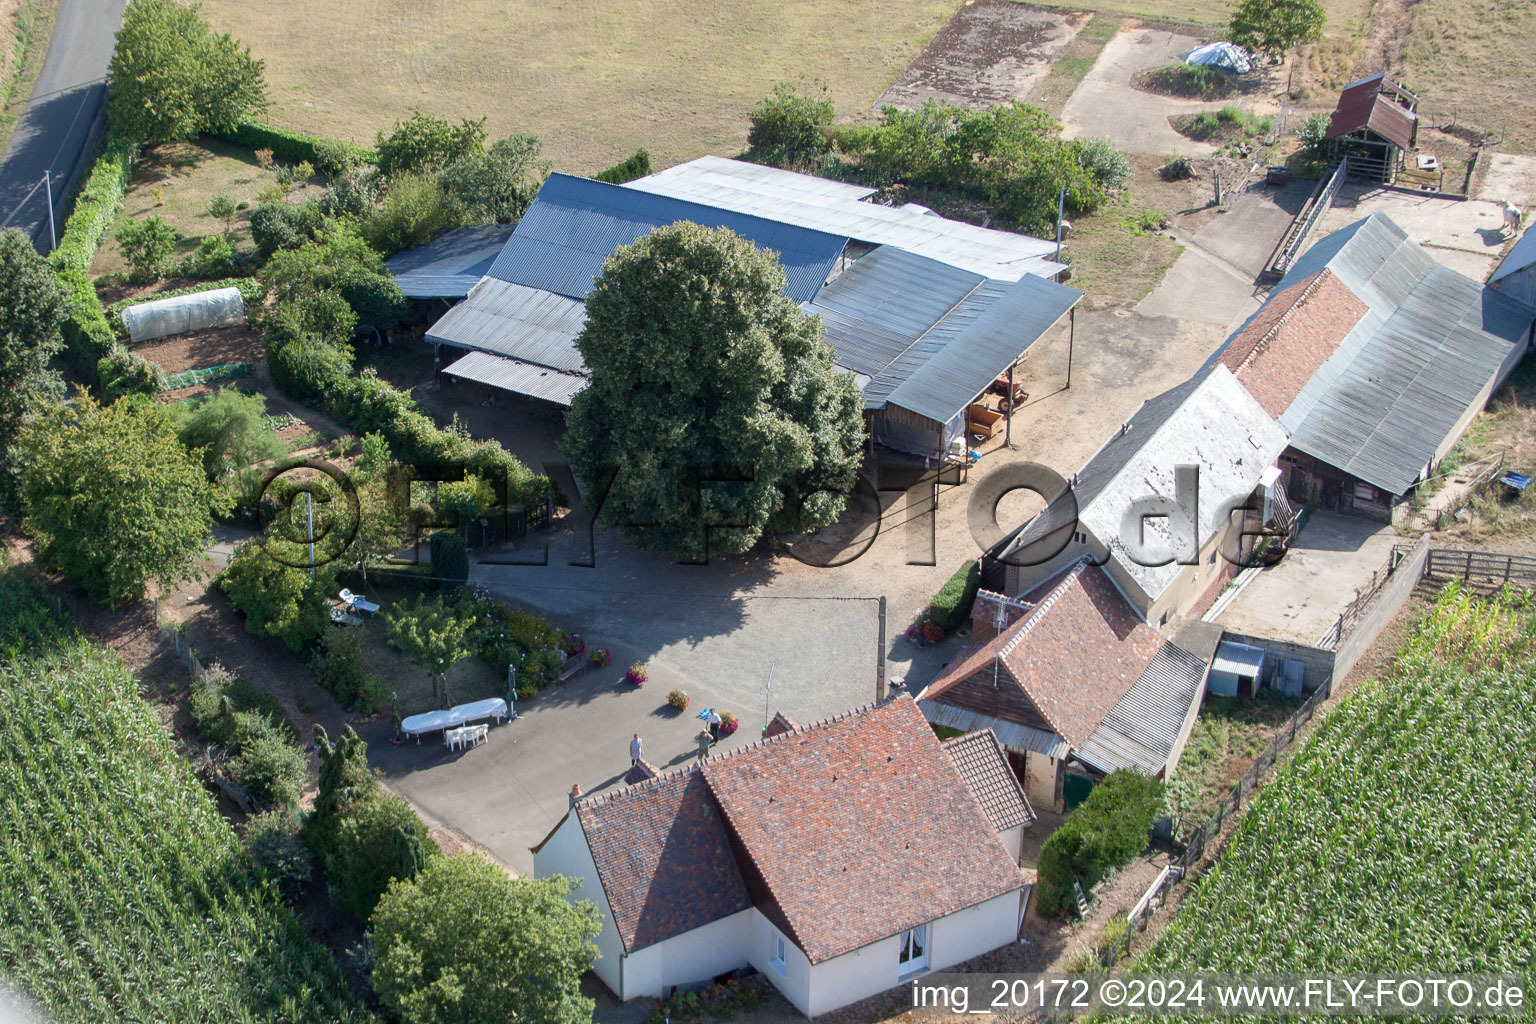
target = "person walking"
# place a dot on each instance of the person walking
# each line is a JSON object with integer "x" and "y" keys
{"x": 714, "y": 727}
{"x": 634, "y": 751}
{"x": 703, "y": 740}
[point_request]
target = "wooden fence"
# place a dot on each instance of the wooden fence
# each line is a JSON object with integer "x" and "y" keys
{"x": 1294, "y": 241}
{"x": 1489, "y": 470}
{"x": 1485, "y": 568}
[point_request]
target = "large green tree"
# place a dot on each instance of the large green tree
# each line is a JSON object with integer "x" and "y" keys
{"x": 466, "y": 943}
{"x": 713, "y": 397}
{"x": 229, "y": 431}
{"x": 114, "y": 498}
{"x": 31, "y": 308}
{"x": 172, "y": 77}
{"x": 1272, "y": 27}
{"x": 338, "y": 265}
{"x": 496, "y": 186}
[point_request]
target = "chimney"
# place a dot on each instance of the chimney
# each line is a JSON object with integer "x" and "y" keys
{"x": 575, "y": 793}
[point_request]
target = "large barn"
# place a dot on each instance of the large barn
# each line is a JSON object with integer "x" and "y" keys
{"x": 926, "y": 312}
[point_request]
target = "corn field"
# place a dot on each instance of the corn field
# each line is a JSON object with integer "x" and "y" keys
{"x": 1402, "y": 837}
{"x": 124, "y": 896}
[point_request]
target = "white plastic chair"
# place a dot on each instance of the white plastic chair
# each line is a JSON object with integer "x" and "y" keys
{"x": 358, "y": 603}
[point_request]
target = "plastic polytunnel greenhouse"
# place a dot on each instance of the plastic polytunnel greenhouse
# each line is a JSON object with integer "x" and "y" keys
{"x": 178, "y": 314}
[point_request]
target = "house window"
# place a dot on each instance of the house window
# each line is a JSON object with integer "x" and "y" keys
{"x": 914, "y": 949}
{"x": 780, "y": 952}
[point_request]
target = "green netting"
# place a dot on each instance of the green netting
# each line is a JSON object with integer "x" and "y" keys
{"x": 192, "y": 378}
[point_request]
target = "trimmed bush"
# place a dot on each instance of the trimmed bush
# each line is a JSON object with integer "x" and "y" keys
{"x": 1105, "y": 832}
{"x": 951, "y": 606}
{"x": 339, "y": 668}
{"x": 95, "y": 209}
{"x": 450, "y": 562}
{"x": 276, "y": 225}
{"x": 293, "y": 147}
{"x": 307, "y": 368}
{"x": 638, "y": 165}
{"x": 88, "y": 337}
{"x": 127, "y": 373}
{"x": 376, "y": 841}
{"x": 273, "y": 845}
{"x": 268, "y": 767}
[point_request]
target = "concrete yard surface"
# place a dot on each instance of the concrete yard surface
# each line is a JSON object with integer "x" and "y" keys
{"x": 1465, "y": 235}
{"x": 1105, "y": 104}
{"x": 1299, "y": 598}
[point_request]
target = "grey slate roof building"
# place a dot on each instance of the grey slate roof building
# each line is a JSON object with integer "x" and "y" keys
{"x": 924, "y": 311}
{"x": 1405, "y": 377}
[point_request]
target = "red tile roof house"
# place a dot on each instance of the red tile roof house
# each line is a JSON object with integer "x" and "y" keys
{"x": 838, "y": 858}
{"x": 1068, "y": 675}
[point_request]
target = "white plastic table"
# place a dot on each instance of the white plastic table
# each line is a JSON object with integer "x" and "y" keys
{"x": 434, "y": 721}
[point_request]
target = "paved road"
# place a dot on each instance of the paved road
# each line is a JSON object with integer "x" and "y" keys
{"x": 52, "y": 132}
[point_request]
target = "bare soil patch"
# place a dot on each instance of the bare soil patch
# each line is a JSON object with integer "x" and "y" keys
{"x": 221, "y": 346}
{"x": 990, "y": 52}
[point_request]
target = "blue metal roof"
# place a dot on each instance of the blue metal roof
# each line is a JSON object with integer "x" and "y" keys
{"x": 898, "y": 291}
{"x": 451, "y": 264}
{"x": 575, "y": 224}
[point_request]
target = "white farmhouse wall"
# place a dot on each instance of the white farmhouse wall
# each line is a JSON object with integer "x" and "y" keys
{"x": 976, "y": 930}
{"x": 1013, "y": 841}
{"x": 857, "y": 975}
{"x": 693, "y": 956}
{"x": 566, "y": 853}
{"x": 793, "y": 980}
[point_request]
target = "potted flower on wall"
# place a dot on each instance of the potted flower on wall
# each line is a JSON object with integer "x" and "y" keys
{"x": 636, "y": 674}
{"x": 600, "y": 657}
{"x": 573, "y": 645}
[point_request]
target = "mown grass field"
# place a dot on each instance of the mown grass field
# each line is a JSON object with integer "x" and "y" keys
{"x": 1472, "y": 62}
{"x": 593, "y": 80}
{"x": 127, "y": 896}
{"x": 1401, "y": 837}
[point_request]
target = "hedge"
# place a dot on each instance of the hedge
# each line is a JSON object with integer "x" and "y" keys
{"x": 251, "y": 292}
{"x": 88, "y": 336}
{"x": 287, "y": 145}
{"x": 951, "y": 606}
{"x": 637, "y": 166}
{"x": 1105, "y": 832}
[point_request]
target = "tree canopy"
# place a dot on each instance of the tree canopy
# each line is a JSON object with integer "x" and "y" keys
{"x": 713, "y": 397}
{"x": 114, "y": 498}
{"x": 423, "y": 143}
{"x": 172, "y": 77}
{"x": 466, "y": 943}
{"x": 789, "y": 128}
{"x": 496, "y": 186}
{"x": 313, "y": 281}
{"x": 31, "y": 309}
{"x": 229, "y": 431}
{"x": 1272, "y": 27}
{"x": 433, "y": 636}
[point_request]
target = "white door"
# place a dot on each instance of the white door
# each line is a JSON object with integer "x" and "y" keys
{"x": 914, "y": 949}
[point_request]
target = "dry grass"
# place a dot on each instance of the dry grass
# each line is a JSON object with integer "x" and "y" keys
{"x": 1471, "y": 62}
{"x": 1056, "y": 88}
{"x": 1116, "y": 255}
{"x": 592, "y": 80}
{"x": 24, "y": 29}
{"x": 189, "y": 174}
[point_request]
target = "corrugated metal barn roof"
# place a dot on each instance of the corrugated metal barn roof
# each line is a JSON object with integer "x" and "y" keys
{"x": 451, "y": 264}
{"x": 897, "y": 291}
{"x": 575, "y": 224}
{"x": 1522, "y": 255}
{"x": 1218, "y": 428}
{"x": 1363, "y": 104}
{"x": 511, "y": 320}
{"x": 812, "y": 202}
{"x": 1142, "y": 729}
{"x": 1011, "y": 734}
{"x": 523, "y": 378}
{"x": 1402, "y": 378}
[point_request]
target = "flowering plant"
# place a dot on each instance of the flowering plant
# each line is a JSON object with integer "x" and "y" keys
{"x": 573, "y": 645}
{"x": 678, "y": 699}
{"x": 600, "y": 657}
{"x": 914, "y": 633}
{"x": 728, "y": 723}
{"x": 932, "y": 632}
{"x": 636, "y": 674}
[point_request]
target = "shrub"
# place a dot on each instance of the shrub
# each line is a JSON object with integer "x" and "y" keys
{"x": 1106, "y": 831}
{"x": 273, "y": 845}
{"x": 951, "y": 606}
{"x": 415, "y": 211}
{"x": 276, "y": 225}
{"x": 423, "y": 143}
{"x": 307, "y": 368}
{"x": 376, "y": 841}
{"x": 277, "y": 600}
{"x": 356, "y": 195}
{"x": 1177, "y": 169}
{"x": 600, "y": 657}
{"x": 790, "y": 129}
{"x": 146, "y": 244}
{"x": 450, "y": 562}
{"x": 288, "y": 145}
{"x": 1109, "y": 167}
{"x": 496, "y": 185}
{"x": 211, "y": 714}
{"x": 678, "y": 699}
{"x": 1313, "y": 133}
{"x": 128, "y": 373}
{"x": 268, "y": 767}
{"x": 214, "y": 257}
{"x": 87, "y": 336}
{"x": 222, "y": 208}
{"x": 334, "y": 157}
{"x": 638, "y": 165}
{"x": 636, "y": 674}
{"x": 339, "y": 668}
